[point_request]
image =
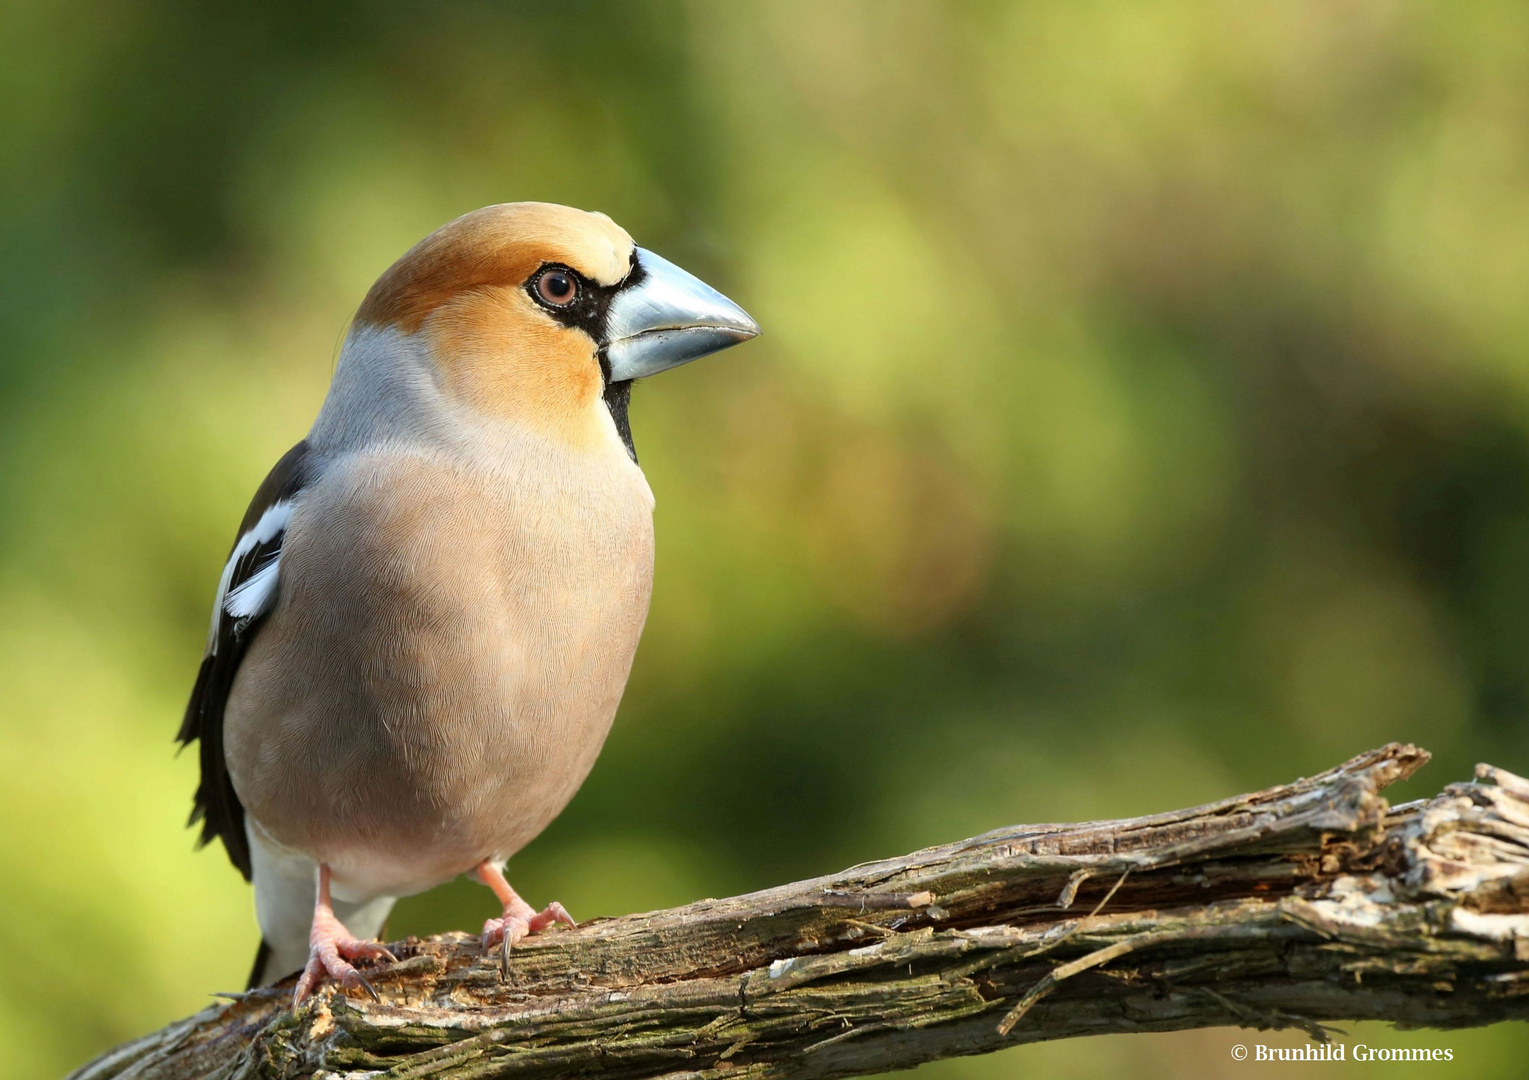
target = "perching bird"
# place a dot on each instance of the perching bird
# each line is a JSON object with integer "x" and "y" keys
{"x": 421, "y": 636}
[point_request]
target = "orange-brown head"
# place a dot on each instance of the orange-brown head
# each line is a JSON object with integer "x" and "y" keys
{"x": 544, "y": 314}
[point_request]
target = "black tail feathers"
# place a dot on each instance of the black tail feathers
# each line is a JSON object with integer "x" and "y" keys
{"x": 257, "y": 973}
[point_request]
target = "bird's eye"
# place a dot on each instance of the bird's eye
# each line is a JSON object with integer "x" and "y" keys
{"x": 557, "y": 287}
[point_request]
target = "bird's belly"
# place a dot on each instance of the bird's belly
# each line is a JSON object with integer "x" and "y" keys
{"x": 476, "y": 772}
{"x": 443, "y": 694}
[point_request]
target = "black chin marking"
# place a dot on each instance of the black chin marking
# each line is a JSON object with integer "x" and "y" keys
{"x": 617, "y": 396}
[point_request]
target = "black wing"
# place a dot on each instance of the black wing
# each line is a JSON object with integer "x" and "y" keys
{"x": 245, "y": 596}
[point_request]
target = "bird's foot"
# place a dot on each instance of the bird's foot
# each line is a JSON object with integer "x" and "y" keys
{"x": 331, "y": 947}
{"x": 520, "y": 921}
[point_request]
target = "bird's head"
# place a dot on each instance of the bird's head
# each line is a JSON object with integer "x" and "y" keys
{"x": 544, "y": 314}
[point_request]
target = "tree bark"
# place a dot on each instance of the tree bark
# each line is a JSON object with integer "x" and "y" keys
{"x": 1298, "y": 906}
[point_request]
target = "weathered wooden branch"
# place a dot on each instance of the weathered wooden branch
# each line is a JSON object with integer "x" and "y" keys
{"x": 1293, "y": 907}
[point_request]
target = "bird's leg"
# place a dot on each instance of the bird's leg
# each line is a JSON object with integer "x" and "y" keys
{"x": 331, "y": 947}
{"x": 520, "y": 919}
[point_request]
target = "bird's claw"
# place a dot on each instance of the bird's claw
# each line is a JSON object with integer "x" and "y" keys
{"x": 511, "y": 929}
{"x": 331, "y": 956}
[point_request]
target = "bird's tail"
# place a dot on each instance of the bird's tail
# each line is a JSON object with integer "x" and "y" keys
{"x": 274, "y": 962}
{"x": 257, "y": 973}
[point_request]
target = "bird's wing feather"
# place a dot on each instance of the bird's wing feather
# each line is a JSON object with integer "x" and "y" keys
{"x": 246, "y": 594}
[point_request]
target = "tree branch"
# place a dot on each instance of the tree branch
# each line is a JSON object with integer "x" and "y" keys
{"x": 1293, "y": 907}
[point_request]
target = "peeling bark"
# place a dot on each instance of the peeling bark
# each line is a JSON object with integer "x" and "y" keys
{"x": 1298, "y": 906}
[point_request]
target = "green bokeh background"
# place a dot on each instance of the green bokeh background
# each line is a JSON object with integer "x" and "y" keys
{"x": 1142, "y": 417}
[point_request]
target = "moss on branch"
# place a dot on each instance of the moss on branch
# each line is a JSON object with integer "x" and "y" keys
{"x": 1299, "y": 906}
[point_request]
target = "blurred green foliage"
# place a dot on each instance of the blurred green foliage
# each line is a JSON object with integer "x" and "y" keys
{"x": 1142, "y": 416}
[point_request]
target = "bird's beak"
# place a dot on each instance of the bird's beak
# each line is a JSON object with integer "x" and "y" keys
{"x": 666, "y": 317}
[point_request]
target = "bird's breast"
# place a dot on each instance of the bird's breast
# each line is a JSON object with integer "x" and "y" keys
{"x": 450, "y": 643}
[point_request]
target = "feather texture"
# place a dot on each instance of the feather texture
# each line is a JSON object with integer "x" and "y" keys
{"x": 246, "y": 592}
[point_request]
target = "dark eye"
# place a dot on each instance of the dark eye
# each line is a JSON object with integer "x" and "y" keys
{"x": 557, "y": 287}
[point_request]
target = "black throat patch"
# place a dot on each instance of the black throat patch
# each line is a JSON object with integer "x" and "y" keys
{"x": 617, "y": 396}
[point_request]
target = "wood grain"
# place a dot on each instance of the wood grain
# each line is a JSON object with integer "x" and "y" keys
{"x": 1298, "y": 906}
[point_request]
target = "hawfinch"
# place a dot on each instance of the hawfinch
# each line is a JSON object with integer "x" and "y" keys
{"x": 428, "y": 617}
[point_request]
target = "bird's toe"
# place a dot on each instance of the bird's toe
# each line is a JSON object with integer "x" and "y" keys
{"x": 331, "y": 957}
{"x": 552, "y": 913}
{"x": 511, "y": 930}
{"x": 357, "y": 949}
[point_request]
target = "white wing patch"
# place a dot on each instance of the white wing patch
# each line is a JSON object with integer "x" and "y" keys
{"x": 254, "y": 594}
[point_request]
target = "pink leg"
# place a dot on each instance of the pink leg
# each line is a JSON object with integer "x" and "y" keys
{"x": 330, "y": 946}
{"x": 520, "y": 919}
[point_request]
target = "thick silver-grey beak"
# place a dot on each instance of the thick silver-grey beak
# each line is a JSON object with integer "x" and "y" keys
{"x": 667, "y": 318}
